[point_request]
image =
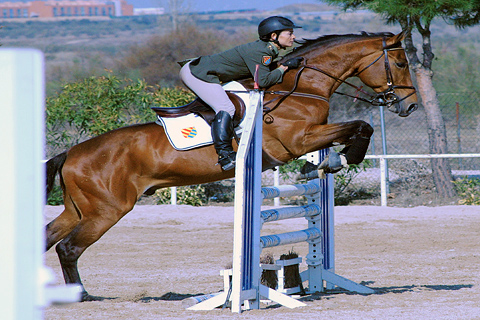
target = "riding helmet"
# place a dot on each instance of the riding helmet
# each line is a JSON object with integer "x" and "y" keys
{"x": 273, "y": 24}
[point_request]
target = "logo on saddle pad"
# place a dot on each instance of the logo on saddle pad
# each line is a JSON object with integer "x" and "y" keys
{"x": 189, "y": 132}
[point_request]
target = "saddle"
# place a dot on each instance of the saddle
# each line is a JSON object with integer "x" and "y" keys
{"x": 198, "y": 106}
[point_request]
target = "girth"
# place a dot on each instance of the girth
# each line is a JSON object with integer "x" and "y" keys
{"x": 199, "y": 107}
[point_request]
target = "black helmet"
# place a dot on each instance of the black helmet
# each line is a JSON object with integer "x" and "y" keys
{"x": 272, "y": 24}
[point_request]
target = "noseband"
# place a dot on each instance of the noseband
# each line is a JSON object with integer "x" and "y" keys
{"x": 387, "y": 98}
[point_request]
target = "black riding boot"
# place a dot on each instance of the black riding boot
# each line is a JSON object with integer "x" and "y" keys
{"x": 222, "y": 134}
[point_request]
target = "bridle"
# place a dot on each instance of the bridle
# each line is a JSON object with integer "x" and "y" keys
{"x": 387, "y": 98}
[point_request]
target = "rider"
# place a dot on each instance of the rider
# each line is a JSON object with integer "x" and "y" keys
{"x": 205, "y": 74}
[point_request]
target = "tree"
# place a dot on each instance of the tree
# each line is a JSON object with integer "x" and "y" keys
{"x": 174, "y": 5}
{"x": 177, "y": 8}
{"x": 418, "y": 15}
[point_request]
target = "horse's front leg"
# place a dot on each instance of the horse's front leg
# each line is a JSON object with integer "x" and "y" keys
{"x": 355, "y": 135}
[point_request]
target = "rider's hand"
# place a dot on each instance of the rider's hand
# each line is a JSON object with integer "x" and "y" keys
{"x": 293, "y": 63}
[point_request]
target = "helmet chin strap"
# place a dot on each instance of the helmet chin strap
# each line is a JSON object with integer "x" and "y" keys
{"x": 278, "y": 43}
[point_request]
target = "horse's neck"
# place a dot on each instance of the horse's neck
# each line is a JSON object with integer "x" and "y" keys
{"x": 347, "y": 58}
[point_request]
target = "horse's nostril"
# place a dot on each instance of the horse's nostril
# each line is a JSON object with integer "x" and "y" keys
{"x": 412, "y": 108}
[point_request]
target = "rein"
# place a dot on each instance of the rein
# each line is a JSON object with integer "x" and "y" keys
{"x": 386, "y": 98}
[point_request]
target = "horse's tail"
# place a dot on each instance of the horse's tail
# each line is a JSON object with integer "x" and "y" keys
{"x": 54, "y": 165}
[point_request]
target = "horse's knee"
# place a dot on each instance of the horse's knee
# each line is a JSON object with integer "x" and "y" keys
{"x": 365, "y": 130}
{"x": 355, "y": 152}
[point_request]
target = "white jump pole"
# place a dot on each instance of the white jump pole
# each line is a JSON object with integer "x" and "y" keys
{"x": 246, "y": 257}
{"x": 22, "y": 184}
{"x": 22, "y": 177}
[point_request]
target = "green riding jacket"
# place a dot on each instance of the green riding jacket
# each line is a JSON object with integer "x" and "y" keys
{"x": 239, "y": 63}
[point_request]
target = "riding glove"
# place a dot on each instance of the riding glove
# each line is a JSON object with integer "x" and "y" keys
{"x": 293, "y": 63}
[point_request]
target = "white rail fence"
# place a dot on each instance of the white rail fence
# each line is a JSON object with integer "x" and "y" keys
{"x": 383, "y": 179}
{"x": 384, "y": 168}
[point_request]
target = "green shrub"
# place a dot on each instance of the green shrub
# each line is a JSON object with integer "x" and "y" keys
{"x": 96, "y": 105}
{"x": 55, "y": 198}
{"x": 290, "y": 167}
{"x": 346, "y": 176}
{"x": 468, "y": 190}
{"x": 189, "y": 195}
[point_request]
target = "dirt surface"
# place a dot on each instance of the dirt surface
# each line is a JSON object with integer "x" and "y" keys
{"x": 422, "y": 262}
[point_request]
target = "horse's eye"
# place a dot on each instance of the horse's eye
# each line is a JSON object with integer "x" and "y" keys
{"x": 401, "y": 65}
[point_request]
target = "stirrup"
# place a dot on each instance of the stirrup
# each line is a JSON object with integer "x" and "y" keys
{"x": 227, "y": 162}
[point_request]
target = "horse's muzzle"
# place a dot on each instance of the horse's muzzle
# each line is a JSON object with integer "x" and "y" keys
{"x": 408, "y": 111}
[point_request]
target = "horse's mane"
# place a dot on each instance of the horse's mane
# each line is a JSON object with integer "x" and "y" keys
{"x": 333, "y": 39}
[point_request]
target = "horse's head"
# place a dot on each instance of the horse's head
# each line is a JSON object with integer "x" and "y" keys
{"x": 386, "y": 71}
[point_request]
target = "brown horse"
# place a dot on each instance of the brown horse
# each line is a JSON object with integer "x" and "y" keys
{"x": 103, "y": 178}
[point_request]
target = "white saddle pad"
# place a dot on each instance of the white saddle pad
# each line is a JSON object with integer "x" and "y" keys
{"x": 187, "y": 132}
{"x": 192, "y": 131}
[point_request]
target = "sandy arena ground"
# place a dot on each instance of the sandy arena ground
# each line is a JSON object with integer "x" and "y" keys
{"x": 423, "y": 263}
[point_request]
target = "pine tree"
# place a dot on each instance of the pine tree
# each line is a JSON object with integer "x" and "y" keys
{"x": 417, "y": 15}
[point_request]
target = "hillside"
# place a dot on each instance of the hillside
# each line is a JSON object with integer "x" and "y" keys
{"x": 76, "y": 48}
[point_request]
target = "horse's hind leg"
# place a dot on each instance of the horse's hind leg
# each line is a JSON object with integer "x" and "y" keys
{"x": 61, "y": 226}
{"x": 87, "y": 232}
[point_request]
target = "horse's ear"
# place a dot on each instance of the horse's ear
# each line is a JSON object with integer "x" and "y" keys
{"x": 396, "y": 39}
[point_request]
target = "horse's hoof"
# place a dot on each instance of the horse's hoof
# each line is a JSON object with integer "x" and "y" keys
{"x": 86, "y": 297}
{"x": 333, "y": 163}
